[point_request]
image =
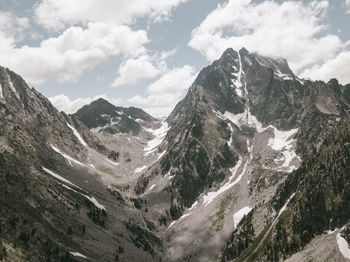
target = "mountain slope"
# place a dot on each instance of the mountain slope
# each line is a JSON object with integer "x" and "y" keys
{"x": 55, "y": 199}
{"x": 312, "y": 201}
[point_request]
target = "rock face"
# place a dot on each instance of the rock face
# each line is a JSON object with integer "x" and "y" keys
{"x": 102, "y": 116}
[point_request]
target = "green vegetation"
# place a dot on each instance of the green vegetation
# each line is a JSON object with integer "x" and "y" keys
{"x": 220, "y": 215}
{"x": 98, "y": 216}
{"x": 143, "y": 238}
{"x": 240, "y": 239}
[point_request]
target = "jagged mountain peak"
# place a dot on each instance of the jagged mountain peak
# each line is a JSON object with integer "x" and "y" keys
{"x": 279, "y": 65}
{"x": 102, "y": 116}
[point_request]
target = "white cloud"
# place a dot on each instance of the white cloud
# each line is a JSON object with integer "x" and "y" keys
{"x": 54, "y": 14}
{"x": 12, "y": 26}
{"x": 291, "y": 29}
{"x": 165, "y": 92}
{"x": 347, "y": 3}
{"x": 63, "y": 102}
{"x": 65, "y": 57}
{"x": 136, "y": 69}
{"x": 334, "y": 68}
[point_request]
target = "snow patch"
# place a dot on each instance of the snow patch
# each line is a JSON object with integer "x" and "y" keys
{"x": 70, "y": 159}
{"x": 152, "y": 186}
{"x": 76, "y": 133}
{"x": 331, "y": 231}
{"x": 59, "y": 177}
{"x": 96, "y": 129}
{"x": 110, "y": 161}
{"x": 229, "y": 143}
{"x": 92, "y": 199}
{"x": 1, "y": 93}
{"x": 77, "y": 254}
{"x": 209, "y": 197}
{"x": 245, "y": 118}
{"x": 171, "y": 224}
{"x": 159, "y": 134}
{"x": 95, "y": 202}
{"x": 237, "y": 83}
{"x": 115, "y": 121}
{"x": 140, "y": 169}
{"x": 161, "y": 155}
{"x": 285, "y": 205}
{"x": 184, "y": 216}
{"x": 13, "y": 89}
{"x": 194, "y": 205}
{"x": 343, "y": 246}
{"x": 283, "y": 76}
{"x": 237, "y": 217}
{"x": 281, "y": 139}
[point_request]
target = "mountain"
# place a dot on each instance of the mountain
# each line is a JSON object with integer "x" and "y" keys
{"x": 246, "y": 123}
{"x": 252, "y": 165}
{"x": 102, "y": 116}
{"x": 56, "y": 203}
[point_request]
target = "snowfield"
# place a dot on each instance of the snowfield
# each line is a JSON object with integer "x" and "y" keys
{"x": 70, "y": 159}
{"x": 77, "y": 254}
{"x": 237, "y": 217}
{"x": 159, "y": 134}
{"x": 343, "y": 246}
{"x": 140, "y": 169}
{"x": 210, "y": 197}
{"x": 76, "y": 133}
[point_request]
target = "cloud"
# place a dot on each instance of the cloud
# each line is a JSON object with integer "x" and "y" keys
{"x": 165, "y": 92}
{"x": 56, "y": 15}
{"x": 12, "y": 26}
{"x": 136, "y": 69}
{"x": 347, "y": 3}
{"x": 334, "y": 68}
{"x": 133, "y": 70}
{"x": 63, "y": 102}
{"x": 291, "y": 29}
{"x": 65, "y": 57}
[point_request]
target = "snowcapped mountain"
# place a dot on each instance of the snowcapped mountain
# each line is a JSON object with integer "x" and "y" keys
{"x": 254, "y": 161}
{"x": 246, "y": 123}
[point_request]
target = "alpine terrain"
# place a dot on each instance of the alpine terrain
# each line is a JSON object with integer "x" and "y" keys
{"x": 252, "y": 165}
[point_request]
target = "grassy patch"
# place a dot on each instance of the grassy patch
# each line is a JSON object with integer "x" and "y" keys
{"x": 220, "y": 215}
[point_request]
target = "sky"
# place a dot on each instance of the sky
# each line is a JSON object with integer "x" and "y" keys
{"x": 147, "y": 53}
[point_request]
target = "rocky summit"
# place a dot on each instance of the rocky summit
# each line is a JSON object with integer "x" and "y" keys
{"x": 252, "y": 165}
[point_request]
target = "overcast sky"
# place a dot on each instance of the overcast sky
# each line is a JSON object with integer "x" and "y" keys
{"x": 146, "y": 53}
